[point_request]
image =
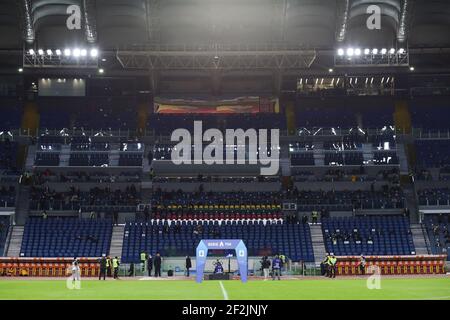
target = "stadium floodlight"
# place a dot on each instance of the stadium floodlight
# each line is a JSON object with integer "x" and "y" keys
{"x": 83, "y": 52}
{"x": 375, "y": 51}
{"x": 31, "y": 51}
{"x": 20, "y": 70}
{"x": 41, "y": 52}
{"x": 340, "y": 52}
{"x": 383, "y": 51}
{"x": 392, "y": 51}
{"x": 101, "y": 70}
{"x": 94, "y": 53}
{"x": 67, "y": 52}
{"x": 366, "y": 51}
{"x": 357, "y": 52}
{"x": 350, "y": 52}
{"x": 49, "y": 52}
{"x": 401, "y": 51}
{"x": 330, "y": 70}
{"x": 58, "y": 52}
{"x": 76, "y": 52}
{"x": 411, "y": 68}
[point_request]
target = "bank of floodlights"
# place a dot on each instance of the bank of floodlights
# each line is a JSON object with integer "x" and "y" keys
{"x": 61, "y": 57}
{"x": 385, "y": 56}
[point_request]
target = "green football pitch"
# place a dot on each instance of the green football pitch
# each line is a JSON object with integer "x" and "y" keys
{"x": 393, "y": 288}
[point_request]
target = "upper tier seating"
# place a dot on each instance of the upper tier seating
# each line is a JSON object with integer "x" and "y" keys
{"x": 181, "y": 238}
{"x": 433, "y": 153}
{"x": 7, "y": 196}
{"x": 371, "y": 235}
{"x": 66, "y": 237}
{"x": 347, "y": 200}
{"x": 97, "y": 199}
{"x": 8, "y": 153}
{"x": 438, "y": 227}
{"x": 434, "y": 197}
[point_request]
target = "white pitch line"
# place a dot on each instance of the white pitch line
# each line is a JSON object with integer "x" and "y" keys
{"x": 224, "y": 292}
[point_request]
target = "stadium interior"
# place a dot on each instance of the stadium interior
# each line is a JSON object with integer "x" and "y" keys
{"x": 87, "y": 114}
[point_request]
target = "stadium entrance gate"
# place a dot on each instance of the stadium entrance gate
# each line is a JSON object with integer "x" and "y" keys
{"x": 221, "y": 244}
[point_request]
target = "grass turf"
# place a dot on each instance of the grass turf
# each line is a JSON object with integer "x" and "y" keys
{"x": 406, "y": 288}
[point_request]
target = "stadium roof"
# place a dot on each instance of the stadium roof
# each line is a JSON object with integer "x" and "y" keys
{"x": 317, "y": 24}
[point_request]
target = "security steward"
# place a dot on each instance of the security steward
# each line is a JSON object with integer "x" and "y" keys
{"x": 108, "y": 266}
{"x": 333, "y": 262}
{"x": 116, "y": 264}
{"x": 143, "y": 258}
{"x": 324, "y": 266}
{"x": 103, "y": 264}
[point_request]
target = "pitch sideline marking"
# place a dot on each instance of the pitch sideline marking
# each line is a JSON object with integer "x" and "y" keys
{"x": 224, "y": 292}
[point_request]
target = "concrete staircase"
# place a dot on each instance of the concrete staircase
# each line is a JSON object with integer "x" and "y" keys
{"x": 15, "y": 242}
{"x": 317, "y": 242}
{"x": 117, "y": 241}
{"x": 419, "y": 239}
{"x": 22, "y": 205}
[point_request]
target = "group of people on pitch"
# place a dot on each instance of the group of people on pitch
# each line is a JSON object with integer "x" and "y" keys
{"x": 328, "y": 266}
{"x": 277, "y": 265}
{"x": 109, "y": 267}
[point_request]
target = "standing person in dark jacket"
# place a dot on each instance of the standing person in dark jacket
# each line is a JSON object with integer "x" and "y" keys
{"x": 157, "y": 263}
{"x": 149, "y": 265}
{"x": 102, "y": 268}
{"x": 188, "y": 265}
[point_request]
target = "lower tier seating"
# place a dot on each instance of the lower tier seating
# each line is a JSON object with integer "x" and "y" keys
{"x": 368, "y": 235}
{"x": 182, "y": 237}
{"x": 66, "y": 237}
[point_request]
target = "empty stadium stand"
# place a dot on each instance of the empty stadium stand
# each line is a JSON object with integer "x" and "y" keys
{"x": 368, "y": 235}
{"x": 66, "y": 237}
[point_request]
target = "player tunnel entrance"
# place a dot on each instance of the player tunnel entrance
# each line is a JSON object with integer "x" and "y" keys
{"x": 221, "y": 244}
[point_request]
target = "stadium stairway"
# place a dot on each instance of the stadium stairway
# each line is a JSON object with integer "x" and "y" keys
{"x": 115, "y": 249}
{"x": 22, "y": 205}
{"x": 317, "y": 242}
{"x": 419, "y": 239}
{"x": 15, "y": 242}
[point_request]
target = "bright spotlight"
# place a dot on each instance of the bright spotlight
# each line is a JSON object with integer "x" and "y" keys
{"x": 411, "y": 68}
{"x": 330, "y": 70}
{"x": 101, "y": 70}
{"x": 67, "y": 52}
{"x": 366, "y": 51}
{"x": 401, "y": 51}
{"x": 375, "y": 51}
{"x": 392, "y": 51}
{"x": 20, "y": 70}
{"x": 83, "y": 52}
{"x": 31, "y": 51}
{"x": 58, "y": 52}
{"x": 49, "y": 52}
{"x": 350, "y": 52}
{"x": 94, "y": 53}
{"x": 76, "y": 52}
{"x": 340, "y": 52}
{"x": 41, "y": 52}
{"x": 357, "y": 52}
{"x": 383, "y": 51}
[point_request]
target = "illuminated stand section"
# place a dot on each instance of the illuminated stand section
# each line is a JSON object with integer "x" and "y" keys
{"x": 222, "y": 244}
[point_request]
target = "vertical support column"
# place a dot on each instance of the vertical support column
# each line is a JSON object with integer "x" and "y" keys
{"x": 30, "y": 122}
{"x": 403, "y": 123}
{"x": 289, "y": 111}
{"x": 142, "y": 114}
{"x": 402, "y": 116}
